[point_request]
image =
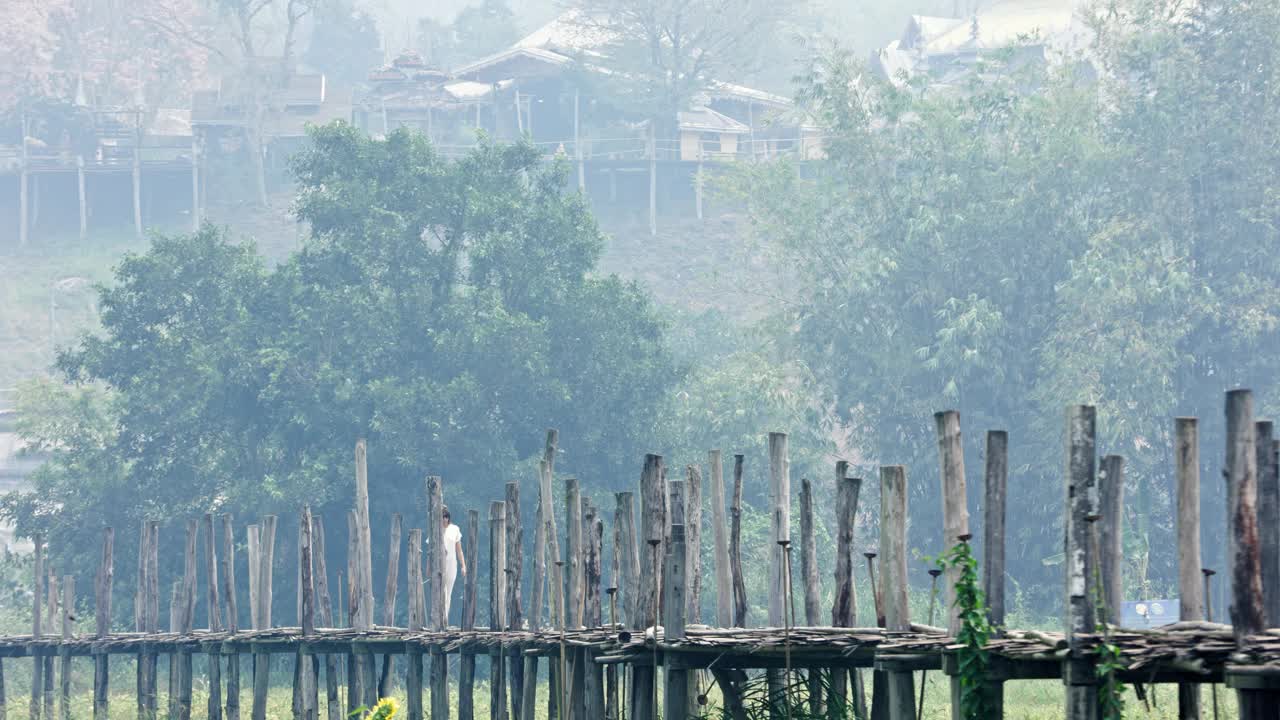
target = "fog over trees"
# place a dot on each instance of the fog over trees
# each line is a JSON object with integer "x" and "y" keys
{"x": 1004, "y": 225}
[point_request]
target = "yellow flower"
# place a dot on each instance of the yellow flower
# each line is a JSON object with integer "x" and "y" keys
{"x": 384, "y": 710}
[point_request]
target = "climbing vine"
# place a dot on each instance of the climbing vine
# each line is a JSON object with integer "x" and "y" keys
{"x": 973, "y": 658}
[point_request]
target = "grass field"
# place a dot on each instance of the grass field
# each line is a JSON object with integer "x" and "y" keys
{"x": 1029, "y": 700}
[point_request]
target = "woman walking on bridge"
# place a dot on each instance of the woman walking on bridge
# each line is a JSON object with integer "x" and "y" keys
{"x": 452, "y": 557}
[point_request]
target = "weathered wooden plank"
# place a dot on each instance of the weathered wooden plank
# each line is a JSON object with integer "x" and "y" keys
{"x": 652, "y": 529}
{"x": 676, "y": 681}
{"x": 307, "y": 622}
{"x": 37, "y": 602}
{"x": 417, "y": 611}
{"x": 228, "y": 563}
{"x": 809, "y": 575}
{"x": 437, "y": 615}
{"x": 261, "y": 660}
{"x": 592, "y": 673}
{"x": 693, "y": 544}
{"x": 325, "y": 616}
{"x": 64, "y": 672}
{"x": 624, "y": 519}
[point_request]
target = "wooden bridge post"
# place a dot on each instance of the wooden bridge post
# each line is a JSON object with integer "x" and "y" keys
{"x": 955, "y": 509}
{"x": 1111, "y": 536}
{"x": 628, "y": 582}
{"x": 1187, "y": 500}
{"x": 720, "y": 537}
{"x": 1269, "y": 520}
{"x": 355, "y": 692}
{"x": 417, "y": 608}
{"x": 228, "y": 563}
{"x": 735, "y": 547}
{"x": 389, "y": 601}
{"x": 64, "y": 655}
{"x": 995, "y": 482}
{"x": 573, "y": 552}
{"x": 514, "y": 616}
{"x": 780, "y": 516}
{"x": 102, "y": 586}
{"x": 362, "y": 582}
{"x": 37, "y": 593}
{"x": 186, "y": 619}
{"x": 325, "y": 616}
{"x": 262, "y": 659}
{"x": 438, "y": 619}
{"x": 556, "y": 579}
{"x": 1082, "y": 494}
{"x": 497, "y": 606}
{"x": 809, "y": 573}
{"x": 529, "y": 698}
{"x": 893, "y": 582}
{"x": 592, "y": 673}
{"x": 233, "y": 617}
{"x": 1243, "y": 547}
{"x": 676, "y": 682}
{"x": 653, "y": 524}
{"x": 469, "y": 595}
{"x": 844, "y": 609}
{"x": 213, "y": 614}
{"x": 308, "y": 620}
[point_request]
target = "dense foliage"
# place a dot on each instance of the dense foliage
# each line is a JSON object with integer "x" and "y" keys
{"x": 444, "y": 310}
{"x": 1041, "y": 237}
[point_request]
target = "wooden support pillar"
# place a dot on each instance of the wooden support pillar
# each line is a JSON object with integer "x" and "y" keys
{"x": 893, "y": 582}
{"x": 955, "y": 511}
{"x": 325, "y": 616}
{"x": 514, "y": 617}
{"x": 308, "y": 619}
{"x": 82, "y": 198}
{"x": 676, "y": 681}
{"x": 573, "y": 552}
{"x": 809, "y": 574}
{"x": 693, "y": 544}
{"x": 555, "y": 565}
{"x": 392, "y": 587}
{"x": 1244, "y": 552}
{"x": 497, "y": 607}
{"x": 1187, "y": 500}
{"x": 361, "y": 581}
{"x": 529, "y": 691}
{"x": 1081, "y": 573}
{"x": 652, "y": 529}
{"x": 624, "y": 520}
{"x": 64, "y": 655}
{"x": 262, "y": 660}
{"x": 102, "y": 586}
{"x": 1269, "y": 520}
{"x": 735, "y": 547}
{"x": 844, "y": 609}
{"x": 592, "y": 673}
{"x": 780, "y": 525}
{"x": 213, "y": 614}
{"x": 416, "y": 621}
{"x": 186, "y": 617}
{"x": 228, "y": 564}
{"x": 469, "y": 596}
{"x": 720, "y": 530}
{"x": 439, "y": 679}
{"x": 51, "y": 612}
{"x": 995, "y": 484}
{"x": 37, "y": 606}
{"x": 1111, "y": 535}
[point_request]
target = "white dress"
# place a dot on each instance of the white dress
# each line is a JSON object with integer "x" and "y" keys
{"x": 452, "y": 536}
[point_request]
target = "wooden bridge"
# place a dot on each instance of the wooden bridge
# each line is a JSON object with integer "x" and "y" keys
{"x": 604, "y": 646}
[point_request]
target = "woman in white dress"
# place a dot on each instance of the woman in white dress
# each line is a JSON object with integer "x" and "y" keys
{"x": 452, "y": 558}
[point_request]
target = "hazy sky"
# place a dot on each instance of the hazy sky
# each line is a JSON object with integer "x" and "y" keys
{"x": 863, "y": 24}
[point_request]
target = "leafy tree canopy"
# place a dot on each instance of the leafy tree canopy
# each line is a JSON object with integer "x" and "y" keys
{"x": 1042, "y": 238}
{"x": 447, "y": 311}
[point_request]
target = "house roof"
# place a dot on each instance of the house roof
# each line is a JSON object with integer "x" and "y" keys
{"x": 731, "y": 91}
{"x": 704, "y": 119}
{"x": 488, "y": 65}
{"x": 573, "y": 31}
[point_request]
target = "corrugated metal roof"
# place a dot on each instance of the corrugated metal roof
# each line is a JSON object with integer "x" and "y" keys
{"x": 704, "y": 119}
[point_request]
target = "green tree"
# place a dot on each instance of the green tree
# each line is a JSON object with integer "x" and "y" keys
{"x": 446, "y": 311}
{"x": 1041, "y": 238}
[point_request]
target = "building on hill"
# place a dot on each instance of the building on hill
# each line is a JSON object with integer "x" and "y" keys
{"x": 946, "y": 50}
